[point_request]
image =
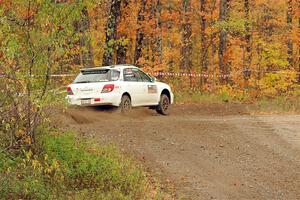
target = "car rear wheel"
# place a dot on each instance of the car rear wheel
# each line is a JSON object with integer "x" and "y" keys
{"x": 164, "y": 105}
{"x": 125, "y": 104}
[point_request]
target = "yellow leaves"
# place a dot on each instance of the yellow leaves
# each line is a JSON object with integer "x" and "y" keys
{"x": 46, "y": 157}
{"x": 23, "y": 137}
{"x": 28, "y": 154}
{"x": 35, "y": 164}
{"x": 51, "y": 168}
{"x": 55, "y": 164}
{"x": 273, "y": 84}
{"x": 8, "y": 170}
{"x": 28, "y": 140}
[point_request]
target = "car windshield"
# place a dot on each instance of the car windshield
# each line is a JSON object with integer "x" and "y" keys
{"x": 97, "y": 75}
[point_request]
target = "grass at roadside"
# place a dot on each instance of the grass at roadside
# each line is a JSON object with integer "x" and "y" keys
{"x": 64, "y": 166}
{"x": 197, "y": 97}
{"x": 278, "y": 104}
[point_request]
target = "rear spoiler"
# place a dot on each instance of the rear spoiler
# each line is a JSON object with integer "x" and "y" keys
{"x": 93, "y": 68}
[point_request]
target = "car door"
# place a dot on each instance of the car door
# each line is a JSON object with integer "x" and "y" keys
{"x": 151, "y": 91}
{"x": 135, "y": 86}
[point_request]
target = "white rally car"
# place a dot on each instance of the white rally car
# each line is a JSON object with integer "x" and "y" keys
{"x": 124, "y": 86}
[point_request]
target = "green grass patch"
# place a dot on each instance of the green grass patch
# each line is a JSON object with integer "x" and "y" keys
{"x": 277, "y": 104}
{"x": 280, "y": 104}
{"x": 198, "y": 97}
{"x": 64, "y": 166}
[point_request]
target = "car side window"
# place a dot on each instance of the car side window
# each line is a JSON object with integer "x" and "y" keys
{"x": 115, "y": 75}
{"x": 132, "y": 75}
{"x": 144, "y": 76}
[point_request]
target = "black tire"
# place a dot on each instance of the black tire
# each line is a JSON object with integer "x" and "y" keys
{"x": 164, "y": 105}
{"x": 125, "y": 104}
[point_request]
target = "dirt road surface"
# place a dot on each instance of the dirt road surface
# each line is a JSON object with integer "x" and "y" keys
{"x": 205, "y": 151}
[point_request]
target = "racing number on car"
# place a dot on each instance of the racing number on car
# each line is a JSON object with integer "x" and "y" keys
{"x": 152, "y": 89}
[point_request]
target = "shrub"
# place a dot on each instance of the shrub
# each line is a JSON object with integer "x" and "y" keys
{"x": 272, "y": 85}
{"x": 87, "y": 166}
{"x": 64, "y": 166}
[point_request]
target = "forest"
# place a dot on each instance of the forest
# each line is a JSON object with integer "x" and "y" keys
{"x": 243, "y": 44}
{"x": 242, "y": 50}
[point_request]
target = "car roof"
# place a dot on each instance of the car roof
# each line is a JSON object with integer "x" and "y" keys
{"x": 120, "y": 67}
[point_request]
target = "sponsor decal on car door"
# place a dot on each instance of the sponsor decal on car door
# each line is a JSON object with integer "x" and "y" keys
{"x": 152, "y": 89}
{"x": 152, "y": 94}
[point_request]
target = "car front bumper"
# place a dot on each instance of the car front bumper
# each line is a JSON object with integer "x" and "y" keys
{"x": 172, "y": 97}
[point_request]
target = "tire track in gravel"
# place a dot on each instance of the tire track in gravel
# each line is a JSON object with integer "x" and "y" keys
{"x": 205, "y": 151}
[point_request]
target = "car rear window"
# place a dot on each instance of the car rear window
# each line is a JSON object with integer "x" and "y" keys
{"x": 99, "y": 75}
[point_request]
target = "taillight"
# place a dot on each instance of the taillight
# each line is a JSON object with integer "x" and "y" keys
{"x": 69, "y": 91}
{"x": 108, "y": 88}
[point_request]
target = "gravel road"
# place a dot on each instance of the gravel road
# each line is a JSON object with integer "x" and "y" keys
{"x": 204, "y": 151}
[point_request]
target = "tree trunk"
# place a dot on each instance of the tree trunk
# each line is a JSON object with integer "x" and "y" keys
{"x": 290, "y": 27}
{"x": 140, "y": 32}
{"x": 223, "y": 16}
{"x": 111, "y": 32}
{"x": 299, "y": 42}
{"x": 170, "y": 44}
{"x": 213, "y": 36}
{"x": 121, "y": 54}
{"x": 247, "y": 56}
{"x": 122, "y": 48}
{"x": 204, "y": 47}
{"x": 86, "y": 52}
{"x": 159, "y": 37}
{"x": 186, "y": 49}
{"x": 203, "y": 35}
{"x": 150, "y": 41}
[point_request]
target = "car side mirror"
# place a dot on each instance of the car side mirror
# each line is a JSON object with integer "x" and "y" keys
{"x": 153, "y": 79}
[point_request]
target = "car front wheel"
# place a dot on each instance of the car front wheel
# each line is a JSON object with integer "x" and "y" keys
{"x": 164, "y": 105}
